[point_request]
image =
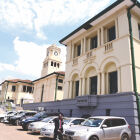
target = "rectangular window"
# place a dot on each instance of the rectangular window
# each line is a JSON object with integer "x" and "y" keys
{"x": 13, "y": 88}
{"x": 107, "y": 112}
{"x": 24, "y": 88}
{"x": 93, "y": 42}
{"x": 111, "y": 33}
{"x": 29, "y": 89}
{"x": 60, "y": 88}
{"x": 78, "y": 50}
{"x": 60, "y": 80}
{"x": 139, "y": 30}
{"x": 93, "y": 85}
{"x": 113, "y": 82}
{"x": 76, "y": 88}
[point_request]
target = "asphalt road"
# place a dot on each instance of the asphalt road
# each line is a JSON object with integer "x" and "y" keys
{"x": 9, "y": 132}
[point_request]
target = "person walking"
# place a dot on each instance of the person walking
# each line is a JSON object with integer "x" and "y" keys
{"x": 58, "y": 130}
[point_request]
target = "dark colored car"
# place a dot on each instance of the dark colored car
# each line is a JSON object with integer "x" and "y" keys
{"x": 15, "y": 114}
{"x": 38, "y": 117}
{"x": 15, "y": 120}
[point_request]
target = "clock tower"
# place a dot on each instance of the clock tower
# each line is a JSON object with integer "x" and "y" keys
{"x": 52, "y": 62}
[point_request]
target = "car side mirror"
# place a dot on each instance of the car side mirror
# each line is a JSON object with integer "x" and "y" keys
{"x": 104, "y": 126}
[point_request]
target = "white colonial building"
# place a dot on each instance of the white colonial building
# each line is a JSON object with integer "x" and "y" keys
{"x": 99, "y": 58}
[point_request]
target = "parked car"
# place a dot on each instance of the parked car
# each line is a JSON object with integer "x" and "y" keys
{"x": 6, "y": 118}
{"x": 48, "y": 130}
{"x": 36, "y": 126}
{"x": 100, "y": 128}
{"x": 4, "y": 115}
{"x": 38, "y": 117}
{"x": 14, "y": 114}
{"x": 15, "y": 120}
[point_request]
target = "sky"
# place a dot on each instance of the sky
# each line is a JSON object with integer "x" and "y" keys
{"x": 28, "y": 27}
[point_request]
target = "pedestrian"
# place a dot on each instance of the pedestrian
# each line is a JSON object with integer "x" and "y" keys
{"x": 58, "y": 130}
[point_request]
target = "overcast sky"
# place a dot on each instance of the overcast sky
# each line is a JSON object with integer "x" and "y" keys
{"x": 28, "y": 27}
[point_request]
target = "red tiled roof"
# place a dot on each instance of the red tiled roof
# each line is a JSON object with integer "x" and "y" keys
{"x": 18, "y": 80}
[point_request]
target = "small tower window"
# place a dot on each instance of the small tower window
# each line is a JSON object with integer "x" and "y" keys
{"x": 58, "y": 65}
{"x": 54, "y": 64}
{"x": 51, "y": 63}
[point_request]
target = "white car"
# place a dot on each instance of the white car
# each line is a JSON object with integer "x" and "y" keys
{"x": 5, "y": 119}
{"x": 48, "y": 130}
{"x": 8, "y": 116}
{"x": 36, "y": 126}
{"x": 100, "y": 128}
{"x": 2, "y": 115}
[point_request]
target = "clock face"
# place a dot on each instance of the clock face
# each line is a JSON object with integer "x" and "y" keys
{"x": 55, "y": 53}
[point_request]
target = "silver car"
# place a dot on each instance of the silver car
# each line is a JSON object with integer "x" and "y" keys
{"x": 48, "y": 130}
{"x": 100, "y": 128}
{"x": 36, "y": 126}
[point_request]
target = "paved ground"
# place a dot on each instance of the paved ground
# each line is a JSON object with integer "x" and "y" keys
{"x": 9, "y": 132}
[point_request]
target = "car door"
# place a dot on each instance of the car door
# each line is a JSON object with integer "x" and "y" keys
{"x": 109, "y": 131}
{"x": 118, "y": 126}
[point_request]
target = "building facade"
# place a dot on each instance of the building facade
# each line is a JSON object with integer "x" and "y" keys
{"x": 99, "y": 53}
{"x": 50, "y": 86}
{"x": 99, "y": 79}
{"x": 17, "y": 91}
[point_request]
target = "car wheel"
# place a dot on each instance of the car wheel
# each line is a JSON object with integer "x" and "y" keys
{"x": 27, "y": 126}
{"x": 125, "y": 137}
{"x": 94, "y": 138}
{"x": 17, "y": 122}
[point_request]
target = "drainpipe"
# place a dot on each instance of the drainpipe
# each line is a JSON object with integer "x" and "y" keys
{"x": 56, "y": 86}
{"x": 133, "y": 61}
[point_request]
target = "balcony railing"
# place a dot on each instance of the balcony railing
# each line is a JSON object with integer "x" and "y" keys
{"x": 75, "y": 61}
{"x": 108, "y": 47}
{"x": 89, "y": 54}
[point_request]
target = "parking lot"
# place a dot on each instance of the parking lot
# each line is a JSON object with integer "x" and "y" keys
{"x": 10, "y": 132}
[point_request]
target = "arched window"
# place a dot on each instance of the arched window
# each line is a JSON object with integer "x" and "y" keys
{"x": 51, "y": 63}
{"x": 58, "y": 65}
{"x": 54, "y": 64}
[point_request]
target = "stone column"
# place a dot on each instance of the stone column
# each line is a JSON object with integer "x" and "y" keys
{"x": 116, "y": 27}
{"x": 80, "y": 87}
{"x": 72, "y": 51}
{"x": 103, "y": 83}
{"x": 99, "y": 84}
{"x": 83, "y": 87}
{"x": 70, "y": 90}
{"x": 102, "y": 35}
{"x": 119, "y": 79}
{"x": 82, "y": 46}
{"x": 98, "y": 36}
{"x": 84, "y": 49}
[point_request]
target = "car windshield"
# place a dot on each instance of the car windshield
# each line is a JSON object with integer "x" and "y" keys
{"x": 9, "y": 113}
{"x": 66, "y": 121}
{"x": 93, "y": 122}
{"x": 39, "y": 114}
{"x": 22, "y": 114}
{"x": 47, "y": 119}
